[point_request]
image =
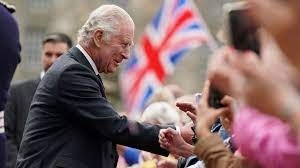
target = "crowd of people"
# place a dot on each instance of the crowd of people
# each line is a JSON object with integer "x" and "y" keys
{"x": 261, "y": 96}
{"x": 62, "y": 118}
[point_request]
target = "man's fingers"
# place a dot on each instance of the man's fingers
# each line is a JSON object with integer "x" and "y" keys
{"x": 161, "y": 136}
{"x": 162, "y": 133}
{"x": 169, "y": 136}
{"x": 163, "y": 141}
{"x": 171, "y": 130}
{"x": 164, "y": 146}
{"x": 171, "y": 133}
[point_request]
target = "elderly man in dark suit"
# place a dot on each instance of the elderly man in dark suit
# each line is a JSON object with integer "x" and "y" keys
{"x": 19, "y": 100}
{"x": 70, "y": 122}
{"x": 9, "y": 58}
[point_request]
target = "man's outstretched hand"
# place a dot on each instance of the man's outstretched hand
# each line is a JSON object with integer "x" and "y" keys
{"x": 170, "y": 140}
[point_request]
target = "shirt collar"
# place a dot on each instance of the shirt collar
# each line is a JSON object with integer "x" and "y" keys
{"x": 87, "y": 56}
{"x": 42, "y": 74}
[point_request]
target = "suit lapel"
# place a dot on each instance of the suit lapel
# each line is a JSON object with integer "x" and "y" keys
{"x": 78, "y": 56}
{"x": 36, "y": 82}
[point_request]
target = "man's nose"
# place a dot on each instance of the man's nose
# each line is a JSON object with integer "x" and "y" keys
{"x": 126, "y": 55}
{"x": 53, "y": 58}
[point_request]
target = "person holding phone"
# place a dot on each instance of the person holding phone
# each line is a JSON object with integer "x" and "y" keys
{"x": 262, "y": 88}
{"x": 281, "y": 19}
{"x": 210, "y": 147}
{"x": 283, "y": 25}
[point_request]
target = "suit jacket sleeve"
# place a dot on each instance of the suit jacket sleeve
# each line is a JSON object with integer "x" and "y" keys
{"x": 79, "y": 90}
{"x": 10, "y": 128}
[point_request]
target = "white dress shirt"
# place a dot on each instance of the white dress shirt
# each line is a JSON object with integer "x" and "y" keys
{"x": 87, "y": 56}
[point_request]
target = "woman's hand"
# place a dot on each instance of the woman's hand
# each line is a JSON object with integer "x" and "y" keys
{"x": 206, "y": 115}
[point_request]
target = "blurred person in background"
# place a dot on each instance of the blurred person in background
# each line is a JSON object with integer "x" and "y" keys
{"x": 171, "y": 94}
{"x": 176, "y": 90}
{"x": 162, "y": 94}
{"x": 10, "y": 49}
{"x": 168, "y": 93}
{"x": 159, "y": 113}
{"x": 20, "y": 94}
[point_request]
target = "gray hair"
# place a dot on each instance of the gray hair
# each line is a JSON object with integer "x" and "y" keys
{"x": 107, "y": 18}
{"x": 160, "y": 113}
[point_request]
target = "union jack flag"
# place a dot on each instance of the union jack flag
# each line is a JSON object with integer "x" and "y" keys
{"x": 176, "y": 28}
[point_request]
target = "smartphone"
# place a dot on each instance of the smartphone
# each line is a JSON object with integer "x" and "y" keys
{"x": 242, "y": 32}
{"x": 215, "y": 97}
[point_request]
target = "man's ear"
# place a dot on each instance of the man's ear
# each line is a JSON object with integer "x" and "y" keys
{"x": 97, "y": 37}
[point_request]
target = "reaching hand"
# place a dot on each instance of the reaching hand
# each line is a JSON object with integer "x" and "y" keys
{"x": 222, "y": 75}
{"x": 189, "y": 109}
{"x": 253, "y": 81}
{"x": 170, "y": 140}
{"x": 206, "y": 115}
{"x": 187, "y": 132}
{"x": 282, "y": 20}
{"x": 227, "y": 117}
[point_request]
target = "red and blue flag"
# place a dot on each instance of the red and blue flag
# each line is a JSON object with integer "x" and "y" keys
{"x": 176, "y": 28}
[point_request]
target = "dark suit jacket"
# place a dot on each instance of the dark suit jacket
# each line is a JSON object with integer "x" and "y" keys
{"x": 16, "y": 111}
{"x": 71, "y": 124}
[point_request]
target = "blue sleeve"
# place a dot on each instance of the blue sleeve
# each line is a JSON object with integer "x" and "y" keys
{"x": 9, "y": 52}
{"x": 9, "y": 59}
{"x": 131, "y": 155}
